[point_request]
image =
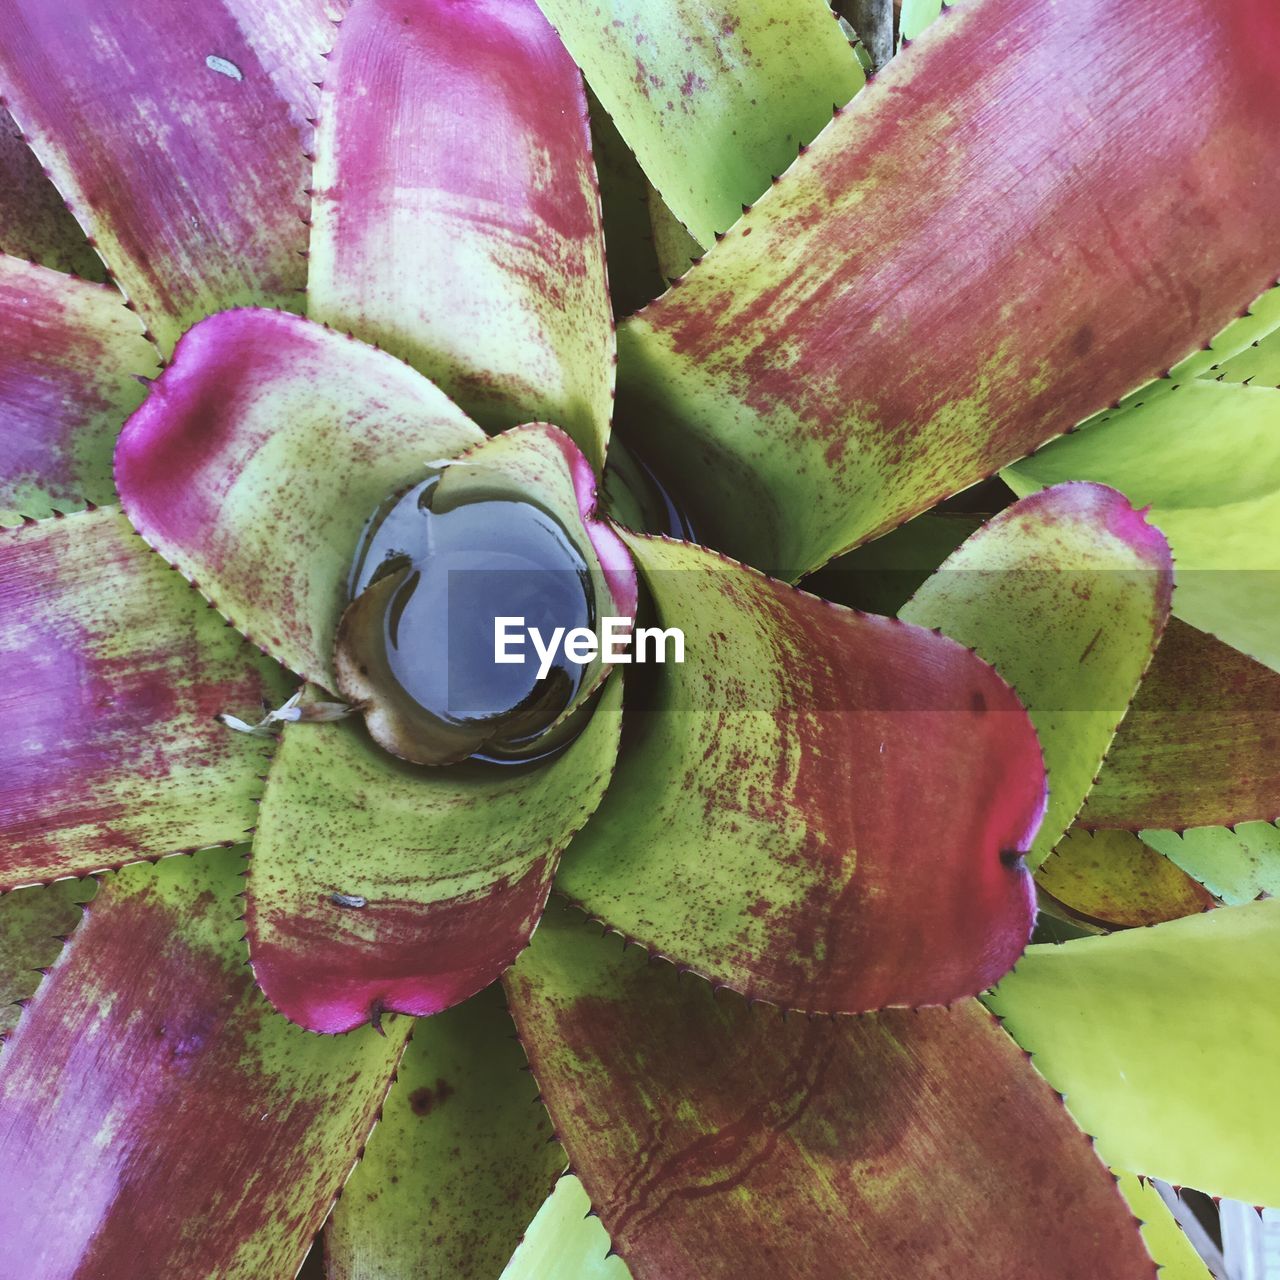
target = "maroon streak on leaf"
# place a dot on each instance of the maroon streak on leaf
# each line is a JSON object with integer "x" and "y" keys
{"x": 258, "y": 457}
{"x": 457, "y": 222}
{"x": 111, "y": 673}
{"x": 34, "y": 221}
{"x": 70, "y": 354}
{"x": 378, "y": 885}
{"x": 177, "y": 135}
{"x": 722, "y": 1143}
{"x": 819, "y": 808}
{"x": 1200, "y": 747}
{"x": 1042, "y": 178}
{"x": 157, "y": 1118}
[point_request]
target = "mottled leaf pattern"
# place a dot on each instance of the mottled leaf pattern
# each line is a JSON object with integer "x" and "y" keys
{"x": 33, "y": 923}
{"x": 178, "y": 137}
{"x": 376, "y": 884}
{"x": 259, "y": 456}
{"x": 71, "y": 355}
{"x": 713, "y": 96}
{"x": 722, "y": 1142}
{"x": 157, "y": 1117}
{"x": 819, "y": 808}
{"x": 111, "y": 672}
{"x": 457, "y": 221}
{"x": 813, "y": 383}
{"x": 1066, "y": 594}
{"x": 459, "y": 1163}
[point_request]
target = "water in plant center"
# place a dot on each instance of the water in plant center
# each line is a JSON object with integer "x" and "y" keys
{"x": 448, "y": 576}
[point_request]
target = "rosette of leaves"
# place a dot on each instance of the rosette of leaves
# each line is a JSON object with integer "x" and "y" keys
{"x": 355, "y": 330}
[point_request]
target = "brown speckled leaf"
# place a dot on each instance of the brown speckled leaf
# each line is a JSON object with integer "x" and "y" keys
{"x": 1200, "y": 746}
{"x": 459, "y": 1164}
{"x": 157, "y": 1118}
{"x": 33, "y": 923}
{"x": 111, "y": 673}
{"x": 722, "y": 1143}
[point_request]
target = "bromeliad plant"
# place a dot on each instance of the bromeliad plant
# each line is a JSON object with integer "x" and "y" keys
{"x": 367, "y": 361}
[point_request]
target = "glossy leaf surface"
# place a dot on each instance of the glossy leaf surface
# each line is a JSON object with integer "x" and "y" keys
{"x": 713, "y": 98}
{"x": 459, "y": 1163}
{"x": 111, "y": 673}
{"x": 1235, "y": 865}
{"x": 1201, "y": 744}
{"x": 718, "y": 1141}
{"x": 468, "y": 120}
{"x": 819, "y": 808}
{"x": 70, "y": 356}
{"x": 1066, "y": 595}
{"x": 378, "y": 885}
{"x": 566, "y": 1241}
{"x": 1112, "y": 877}
{"x": 813, "y": 384}
{"x": 181, "y": 153}
{"x": 1142, "y": 1031}
{"x": 257, "y": 458}
{"x": 157, "y": 1118}
{"x": 1181, "y": 454}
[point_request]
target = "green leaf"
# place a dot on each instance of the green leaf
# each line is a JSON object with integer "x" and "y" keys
{"x": 1066, "y": 595}
{"x": 457, "y": 219}
{"x": 1258, "y": 364}
{"x": 33, "y": 925}
{"x": 184, "y": 154}
{"x": 111, "y": 673}
{"x": 460, "y": 1161}
{"x": 1174, "y": 1254}
{"x": 713, "y": 96}
{"x": 721, "y": 1141}
{"x": 566, "y": 1241}
{"x": 35, "y": 224}
{"x": 675, "y": 248}
{"x": 159, "y": 1118}
{"x": 1181, "y": 454}
{"x": 72, "y": 356}
{"x": 925, "y": 297}
{"x": 822, "y": 811}
{"x": 1111, "y": 876}
{"x": 1235, "y": 865}
{"x": 916, "y": 15}
{"x": 1200, "y": 746}
{"x": 259, "y": 456}
{"x": 1164, "y": 1042}
{"x": 377, "y": 885}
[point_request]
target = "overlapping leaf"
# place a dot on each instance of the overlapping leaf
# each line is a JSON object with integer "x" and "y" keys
{"x": 258, "y": 457}
{"x": 1235, "y": 864}
{"x": 73, "y": 355}
{"x": 34, "y": 222}
{"x": 459, "y": 1163}
{"x": 566, "y": 1241}
{"x": 1112, "y": 877}
{"x": 33, "y": 924}
{"x": 469, "y": 120}
{"x": 1200, "y": 745}
{"x": 813, "y": 383}
{"x": 1168, "y": 1245}
{"x": 1181, "y": 453}
{"x": 713, "y": 98}
{"x": 718, "y": 1141}
{"x": 1164, "y": 1041}
{"x": 1066, "y": 595}
{"x": 376, "y": 884}
{"x": 157, "y": 1117}
{"x": 181, "y": 151}
{"x": 111, "y": 673}
{"x": 856, "y": 791}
